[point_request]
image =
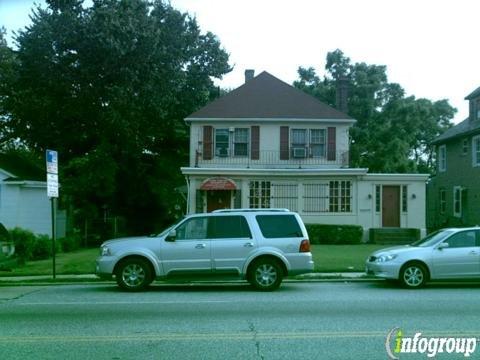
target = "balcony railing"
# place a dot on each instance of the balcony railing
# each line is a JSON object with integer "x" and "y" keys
{"x": 270, "y": 159}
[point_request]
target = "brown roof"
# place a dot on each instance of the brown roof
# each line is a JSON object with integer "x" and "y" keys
{"x": 267, "y": 97}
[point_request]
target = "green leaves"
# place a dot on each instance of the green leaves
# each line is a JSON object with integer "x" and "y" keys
{"x": 393, "y": 132}
{"x": 107, "y": 84}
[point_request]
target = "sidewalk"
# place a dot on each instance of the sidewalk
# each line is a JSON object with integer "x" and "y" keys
{"x": 92, "y": 278}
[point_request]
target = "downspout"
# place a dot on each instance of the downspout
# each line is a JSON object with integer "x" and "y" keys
{"x": 187, "y": 180}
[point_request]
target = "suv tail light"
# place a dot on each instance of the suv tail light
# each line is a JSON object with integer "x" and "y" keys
{"x": 305, "y": 246}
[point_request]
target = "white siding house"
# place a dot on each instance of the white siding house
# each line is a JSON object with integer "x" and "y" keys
{"x": 267, "y": 144}
{"x": 23, "y": 200}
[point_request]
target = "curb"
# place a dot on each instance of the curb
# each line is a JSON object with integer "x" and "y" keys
{"x": 91, "y": 279}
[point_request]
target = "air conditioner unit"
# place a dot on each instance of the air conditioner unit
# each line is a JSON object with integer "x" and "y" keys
{"x": 299, "y": 152}
{"x": 222, "y": 152}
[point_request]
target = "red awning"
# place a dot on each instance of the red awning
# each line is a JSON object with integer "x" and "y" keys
{"x": 218, "y": 183}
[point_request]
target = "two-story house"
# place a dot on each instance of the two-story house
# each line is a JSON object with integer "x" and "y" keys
{"x": 267, "y": 144}
{"x": 454, "y": 192}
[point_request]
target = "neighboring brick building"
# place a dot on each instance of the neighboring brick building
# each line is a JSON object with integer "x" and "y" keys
{"x": 454, "y": 192}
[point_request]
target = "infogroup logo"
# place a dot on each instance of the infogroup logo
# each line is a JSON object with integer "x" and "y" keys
{"x": 397, "y": 343}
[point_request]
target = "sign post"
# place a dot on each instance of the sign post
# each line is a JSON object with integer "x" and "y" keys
{"x": 52, "y": 192}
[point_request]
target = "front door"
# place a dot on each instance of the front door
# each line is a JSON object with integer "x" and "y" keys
{"x": 218, "y": 199}
{"x": 391, "y": 206}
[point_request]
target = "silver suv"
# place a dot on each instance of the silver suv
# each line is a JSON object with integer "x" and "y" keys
{"x": 258, "y": 245}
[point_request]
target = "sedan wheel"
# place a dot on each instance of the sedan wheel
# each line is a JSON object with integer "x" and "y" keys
{"x": 133, "y": 275}
{"x": 413, "y": 276}
{"x": 266, "y": 275}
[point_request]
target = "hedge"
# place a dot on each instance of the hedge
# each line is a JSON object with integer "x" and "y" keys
{"x": 29, "y": 246}
{"x": 334, "y": 234}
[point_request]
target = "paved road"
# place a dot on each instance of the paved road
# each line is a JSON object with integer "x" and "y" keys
{"x": 300, "y": 321}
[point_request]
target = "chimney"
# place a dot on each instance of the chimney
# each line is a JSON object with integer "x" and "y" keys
{"x": 249, "y": 74}
{"x": 342, "y": 94}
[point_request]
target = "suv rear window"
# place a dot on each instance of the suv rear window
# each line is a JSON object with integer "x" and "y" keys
{"x": 279, "y": 226}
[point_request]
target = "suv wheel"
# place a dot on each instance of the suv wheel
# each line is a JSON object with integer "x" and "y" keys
{"x": 133, "y": 274}
{"x": 413, "y": 276}
{"x": 266, "y": 274}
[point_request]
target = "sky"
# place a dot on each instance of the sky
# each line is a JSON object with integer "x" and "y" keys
{"x": 430, "y": 47}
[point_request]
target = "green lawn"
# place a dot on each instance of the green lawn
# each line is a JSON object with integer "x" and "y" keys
{"x": 342, "y": 258}
{"x": 328, "y": 258}
{"x": 76, "y": 262}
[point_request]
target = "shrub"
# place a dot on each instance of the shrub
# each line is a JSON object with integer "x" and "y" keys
{"x": 24, "y": 242}
{"x": 70, "y": 243}
{"x": 334, "y": 234}
{"x": 42, "y": 247}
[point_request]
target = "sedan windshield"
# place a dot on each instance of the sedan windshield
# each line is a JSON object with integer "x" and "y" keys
{"x": 433, "y": 238}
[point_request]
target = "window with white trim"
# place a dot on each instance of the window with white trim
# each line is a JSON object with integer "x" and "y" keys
{"x": 404, "y": 198}
{"x": 308, "y": 143}
{"x": 476, "y": 150}
{"x": 443, "y": 201}
{"x": 299, "y": 143}
{"x": 222, "y": 142}
{"x": 340, "y": 196}
{"x": 259, "y": 197}
{"x": 240, "y": 142}
{"x": 232, "y": 138}
{"x": 317, "y": 142}
{"x": 457, "y": 201}
{"x": 442, "y": 158}
{"x": 378, "y": 198}
{"x": 465, "y": 147}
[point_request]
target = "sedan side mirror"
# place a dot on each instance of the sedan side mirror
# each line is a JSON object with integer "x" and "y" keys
{"x": 172, "y": 235}
{"x": 443, "y": 246}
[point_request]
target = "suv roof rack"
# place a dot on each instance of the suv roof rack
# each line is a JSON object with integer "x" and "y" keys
{"x": 250, "y": 210}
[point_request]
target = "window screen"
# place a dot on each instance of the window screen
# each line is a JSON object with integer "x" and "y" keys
{"x": 227, "y": 227}
{"x": 279, "y": 226}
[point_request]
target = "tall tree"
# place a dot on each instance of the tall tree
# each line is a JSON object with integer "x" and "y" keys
{"x": 108, "y": 87}
{"x": 393, "y": 132}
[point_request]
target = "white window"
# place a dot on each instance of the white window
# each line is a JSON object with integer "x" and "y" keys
{"x": 238, "y": 138}
{"x": 465, "y": 147}
{"x": 259, "y": 196}
{"x": 476, "y": 150}
{"x": 317, "y": 142}
{"x": 222, "y": 142}
{"x": 308, "y": 142}
{"x": 340, "y": 196}
{"x": 442, "y": 158}
{"x": 299, "y": 143}
{"x": 240, "y": 142}
{"x": 457, "y": 201}
{"x": 443, "y": 201}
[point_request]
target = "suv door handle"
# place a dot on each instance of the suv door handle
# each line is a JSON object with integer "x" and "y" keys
{"x": 473, "y": 252}
{"x": 200, "y": 246}
{"x": 248, "y": 244}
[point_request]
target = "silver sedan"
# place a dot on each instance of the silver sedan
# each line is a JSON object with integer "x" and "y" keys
{"x": 446, "y": 254}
